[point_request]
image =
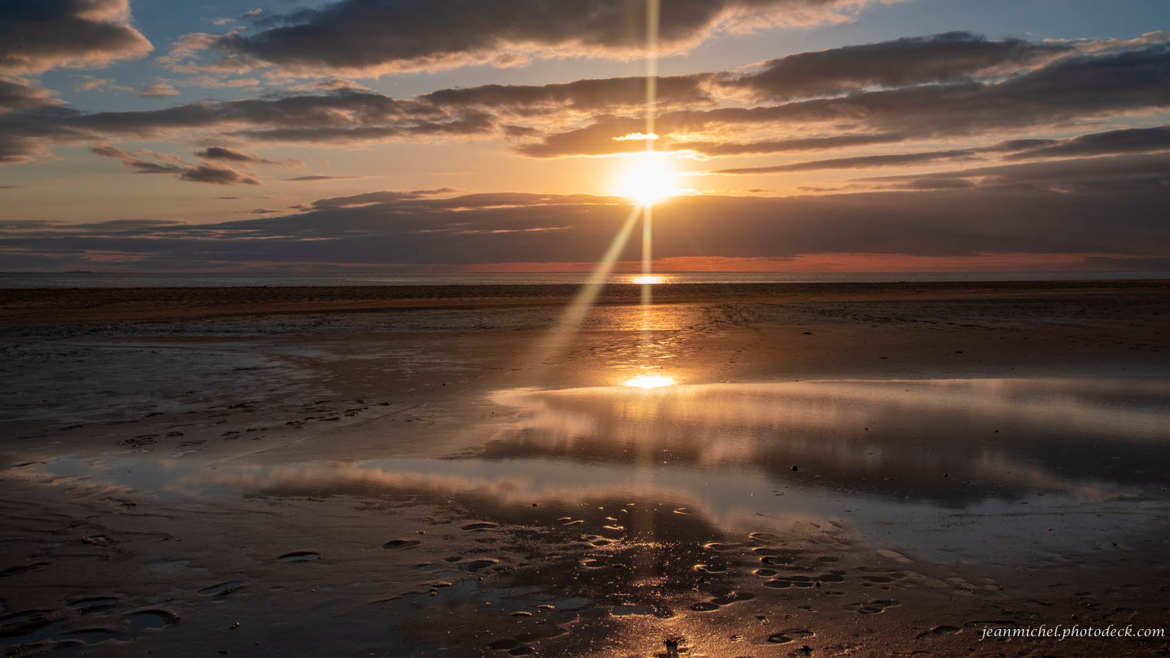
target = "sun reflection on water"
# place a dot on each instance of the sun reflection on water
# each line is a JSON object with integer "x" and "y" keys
{"x": 648, "y": 382}
{"x": 648, "y": 279}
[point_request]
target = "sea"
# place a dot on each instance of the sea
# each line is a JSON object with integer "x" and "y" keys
{"x": 27, "y": 280}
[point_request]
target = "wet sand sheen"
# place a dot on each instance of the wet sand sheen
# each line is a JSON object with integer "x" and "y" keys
{"x": 385, "y": 482}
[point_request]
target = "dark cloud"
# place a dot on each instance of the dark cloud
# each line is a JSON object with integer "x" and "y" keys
{"x": 16, "y": 94}
{"x": 384, "y": 36}
{"x": 1068, "y": 89}
{"x": 1118, "y": 173}
{"x": 316, "y": 177}
{"x": 1104, "y": 143}
{"x": 1113, "y": 141}
{"x": 597, "y": 117}
{"x": 209, "y": 173}
{"x": 378, "y": 198}
{"x": 414, "y": 228}
{"x": 231, "y": 155}
{"x": 139, "y": 165}
{"x": 940, "y": 58}
{"x": 158, "y": 164}
{"x": 898, "y": 159}
{"x": 782, "y": 145}
{"x": 37, "y": 35}
{"x": 598, "y": 95}
{"x": 343, "y": 116}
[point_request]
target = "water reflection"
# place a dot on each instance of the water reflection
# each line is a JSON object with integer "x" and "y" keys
{"x": 986, "y": 470}
{"x": 950, "y": 441}
{"x": 649, "y": 381}
{"x": 646, "y": 279}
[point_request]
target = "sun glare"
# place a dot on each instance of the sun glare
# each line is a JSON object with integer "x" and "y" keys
{"x": 648, "y": 279}
{"x": 649, "y": 381}
{"x": 647, "y": 178}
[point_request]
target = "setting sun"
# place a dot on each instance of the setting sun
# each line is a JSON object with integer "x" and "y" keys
{"x": 647, "y": 178}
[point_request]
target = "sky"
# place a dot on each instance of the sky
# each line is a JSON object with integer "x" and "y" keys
{"x": 372, "y": 135}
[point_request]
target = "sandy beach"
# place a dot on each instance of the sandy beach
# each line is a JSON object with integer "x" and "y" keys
{"x": 834, "y": 469}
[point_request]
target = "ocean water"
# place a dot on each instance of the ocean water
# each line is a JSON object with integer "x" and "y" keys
{"x": 217, "y": 280}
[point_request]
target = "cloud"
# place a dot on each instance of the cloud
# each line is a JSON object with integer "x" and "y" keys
{"x": 950, "y": 57}
{"x": 898, "y": 159}
{"x": 596, "y": 95}
{"x": 591, "y": 117}
{"x": 161, "y": 164}
{"x": 1113, "y": 141}
{"x": 232, "y": 155}
{"x": 37, "y": 35}
{"x": 158, "y": 89}
{"x": 313, "y": 178}
{"x": 371, "y": 198}
{"x": 17, "y": 94}
{"x": 337, "y": 117}
{"x": 1120, "y": 174}
{"x": 1069, "y": 89}
{"x": 790, "y": 144}
{"x": 373, "y": 37}
{"x": 1103, "y": 143}
{"x": 420, "y": 228}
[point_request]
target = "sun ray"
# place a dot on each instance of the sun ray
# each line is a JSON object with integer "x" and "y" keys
{"x": 574, "y": 314}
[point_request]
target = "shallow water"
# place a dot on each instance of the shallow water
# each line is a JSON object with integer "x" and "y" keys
{"x": 991, "y": 471}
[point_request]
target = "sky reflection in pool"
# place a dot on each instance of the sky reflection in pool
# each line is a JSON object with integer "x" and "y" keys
{"x": 992, "y": 470}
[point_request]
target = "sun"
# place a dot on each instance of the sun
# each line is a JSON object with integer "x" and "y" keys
{"x": 647, "y": 178}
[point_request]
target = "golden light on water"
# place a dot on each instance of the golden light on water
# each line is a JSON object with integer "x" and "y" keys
{"x": 648, "y": 382}
{"x": 648, "y": 279}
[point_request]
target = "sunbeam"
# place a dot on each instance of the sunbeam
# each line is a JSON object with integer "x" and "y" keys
{"x": 574, "y": 314}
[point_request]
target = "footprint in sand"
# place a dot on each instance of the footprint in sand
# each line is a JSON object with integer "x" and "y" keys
{"x": 26, "y": 621}
{"x": 94, "y": 635}
{"x": 937, "y": 631}
{"x": 801, "y": 633}
{"x": 877, "y": 607}
{"x": 401, "y": 543}
{"x": 223, "y": 589}
{"x": 300, "y": 556}
{"x": 723, "y": 599}
{"x": 21, "y": 568}
{"x": 93, "y": 604}
{"x": 476, "y": 565}
{"x": 150, "y": 619}
{"x": 733, "y": 597}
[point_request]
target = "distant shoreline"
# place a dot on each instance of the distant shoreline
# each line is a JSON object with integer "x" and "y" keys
{"x": 24, "y": 306}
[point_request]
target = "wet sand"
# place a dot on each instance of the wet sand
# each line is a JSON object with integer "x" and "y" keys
{"x": 840, "y": 469}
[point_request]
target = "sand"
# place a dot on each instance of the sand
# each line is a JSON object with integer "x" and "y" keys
{"x": 841, "y": 469}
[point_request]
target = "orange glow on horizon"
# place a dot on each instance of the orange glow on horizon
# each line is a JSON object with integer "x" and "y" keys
{"x": 822, "y": 263}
